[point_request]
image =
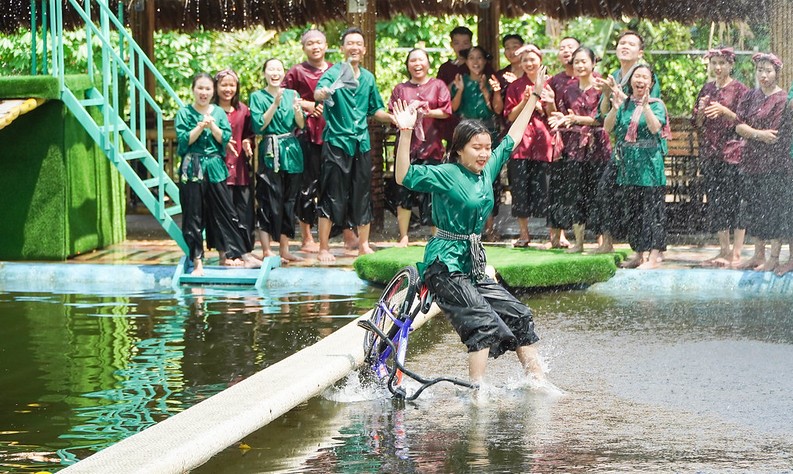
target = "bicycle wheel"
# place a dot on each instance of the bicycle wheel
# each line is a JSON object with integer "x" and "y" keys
{"x": 394, "y": 303}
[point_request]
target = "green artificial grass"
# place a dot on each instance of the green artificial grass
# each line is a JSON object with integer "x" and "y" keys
{"x": 60, "y": 195}
{"x": 519, "y": 267}
{"x": 40, "y": 87}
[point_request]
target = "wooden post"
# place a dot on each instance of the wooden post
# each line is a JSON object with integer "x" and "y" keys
{"x": 781, "y": 25}
{"x": 363, "y": 14}
{"x": 142, "y": 24}
{"x": 487, "y": 29}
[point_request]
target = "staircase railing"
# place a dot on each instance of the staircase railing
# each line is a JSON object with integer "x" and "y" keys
{"x": 122, "y": 133}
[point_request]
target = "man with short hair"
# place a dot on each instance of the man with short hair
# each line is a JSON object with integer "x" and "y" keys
{"x": 346, "y": 171}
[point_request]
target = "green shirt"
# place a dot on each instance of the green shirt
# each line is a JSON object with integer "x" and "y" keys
{"x": 640, "y": 163}
{"x": 345, "y": 121}
{"x": 472, "y": 104}
{"x": 290, "y": 155}
{"x": 461, "y": 203}
{"x": 209, "y": 153}
{"x": 655, "y": 92}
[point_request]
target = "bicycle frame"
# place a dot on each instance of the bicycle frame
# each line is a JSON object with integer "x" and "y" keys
{"x": 394, "y": 346}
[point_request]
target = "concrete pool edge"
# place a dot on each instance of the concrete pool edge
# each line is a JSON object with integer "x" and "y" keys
{"x": 190, "y": 438}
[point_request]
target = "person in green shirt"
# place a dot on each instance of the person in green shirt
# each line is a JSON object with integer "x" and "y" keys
{"x": 346, "y": 173}
{"x": 276, "y": 113}
{"x": 202, "y": 133}
{"x": 488, "y": 319}
{"x": 640, "y": 125}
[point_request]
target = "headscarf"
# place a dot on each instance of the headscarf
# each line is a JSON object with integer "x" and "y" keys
{"x": 727, "y": 53}
{"x": 770, "y": 57}
{"x": 227, "y": 72}
{"x": 529, "y": 48}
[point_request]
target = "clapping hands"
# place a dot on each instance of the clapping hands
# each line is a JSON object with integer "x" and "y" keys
{"x": 404, "y": 115}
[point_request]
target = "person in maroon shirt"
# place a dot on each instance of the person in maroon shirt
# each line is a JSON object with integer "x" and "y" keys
{"x": 586, "y": 150}
{"x": 527, "y": 167}
{"x": 431, "y": 98}
{"x": 303, "y": 78}
{"x": 765, "y": 121}
{"x": 238, "y": 154}
{"x": 714, "y": 116}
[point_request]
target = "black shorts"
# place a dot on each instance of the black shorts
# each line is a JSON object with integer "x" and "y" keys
{"x": 484, "y": 314}
{"x": 276, "y": 194}
{"x": 307, "y": 199}
{"x": 528, "y": 183}
{"x": 345, "y": 195}
{"x": 646, "y": 215}
{"x": 571, "y": 193}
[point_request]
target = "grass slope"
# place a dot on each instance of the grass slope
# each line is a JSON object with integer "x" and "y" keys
{"x": 518, "y": 267}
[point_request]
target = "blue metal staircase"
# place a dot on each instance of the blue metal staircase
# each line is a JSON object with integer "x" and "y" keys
{"x": 120, "y": 93}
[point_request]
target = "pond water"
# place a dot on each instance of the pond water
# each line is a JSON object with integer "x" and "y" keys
{"x": 655, "y": 381}
{"x": 673, "y": 380}
{"x": 81, "y": 371}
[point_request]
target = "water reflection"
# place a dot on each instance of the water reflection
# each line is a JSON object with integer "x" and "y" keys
{"x": 80, "y": 372}
{"x": 654, "y": 384}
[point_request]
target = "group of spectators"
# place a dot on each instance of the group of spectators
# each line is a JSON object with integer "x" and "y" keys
{"x": 591, "y": 158}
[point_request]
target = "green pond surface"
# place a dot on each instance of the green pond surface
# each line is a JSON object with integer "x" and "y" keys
{"x": 662, "y": 372}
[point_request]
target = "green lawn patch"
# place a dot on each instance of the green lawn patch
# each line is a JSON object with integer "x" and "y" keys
{"x": 519, "y": 267}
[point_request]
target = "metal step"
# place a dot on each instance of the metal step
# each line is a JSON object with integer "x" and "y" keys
{"x": 152, "y": 182}
{"x": 173, "y": 210}
{"x": 135, "y": 155}
{"x": 92, "y": 102}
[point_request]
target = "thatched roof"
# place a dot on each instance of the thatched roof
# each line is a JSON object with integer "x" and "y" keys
{"x": 282, "y": 14}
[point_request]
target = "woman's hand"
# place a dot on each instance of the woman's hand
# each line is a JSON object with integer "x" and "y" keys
{"x": 509, "y": 77}
{"x": 715, "y": 110}
{"x": 232, "y": 147}
{"x": 766, "y": 136}
{"x": 494, "y": 84}
{"x": 645, "y": 99}
{"x": 247, "y": 147}
{"x": 404, "y": 115}
{"x": 547, "y": 94}
{"x": 617, "y": 98}
{"x": 279, "y": 94}
{"x": 542, "y": 78}
{"x": 458, "y": 82}
{"x": 484, "y": 89}
{"x": 558, "y": 120}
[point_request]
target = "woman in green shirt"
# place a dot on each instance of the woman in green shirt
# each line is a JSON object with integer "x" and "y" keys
{"x": 275, "y": 113}
{"x": 489, "y": 320}
{"x": 202, "y": 133}
{"x": 641, "y": 127}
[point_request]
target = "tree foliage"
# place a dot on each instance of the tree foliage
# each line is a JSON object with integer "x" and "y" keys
{"x": 180, "y": 55}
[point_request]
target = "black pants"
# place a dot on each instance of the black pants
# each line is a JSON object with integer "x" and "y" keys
{"x": 242, "y": 201}
{"x": 204, "y": 202}
{"x": 647, "y": 217}
{"x": 571, "y": 193}
{"x": 276, "y": 194}
{"x": 484, "y": 314}
{"x": 307, "y": 199}
{"x": 345, "y": 184}
{"x": 610, "y": 208}
{"x": 722, "y": 184}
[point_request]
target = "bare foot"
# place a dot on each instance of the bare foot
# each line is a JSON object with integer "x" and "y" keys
{"x": 310, "y": 247}
{"x": 634, "y": 262}
{"x": 650, "y": 265}
{"x": 324, "y": 256}
{"x": 748, "y": 264}
{"x": 198, "y": 268}
{"x": 768, "y": 266}
{"x": 717, "y": 260}
{"x": 575, "y": 249}
{"x": 782, "y": 269}
{"x": 563, "y": 243}
{"x": 403, "y": 242}
{"x": 721, "y": 262}
{"x": 604, "y": 249}
{"x": 364, "y": 249}
{"x": 267, "y": 253}
{"x": 231, "y": 262}
{"x": 289, "y": 257}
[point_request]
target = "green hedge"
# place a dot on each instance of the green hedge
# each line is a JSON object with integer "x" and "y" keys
{"x": 518, "y": 267}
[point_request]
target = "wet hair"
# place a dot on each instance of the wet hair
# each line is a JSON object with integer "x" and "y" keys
{"x": 461, "y": 30}
{"x": 570, "y": 38}
{"x": 407, "y": 58}
{"x": 235, "y": 99}
{"x": 628, "y": 79}
{"x": 267, "y": 61}
{"x": 511, "y": 36}
{"x": 464, "y": 53}
{"x": 585, "y": 49}
{"x": 463, "y": 133}
{"x": 354, "y": 30}
{"x": 201, "y": 75}
{"x": 631, "y": 33}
